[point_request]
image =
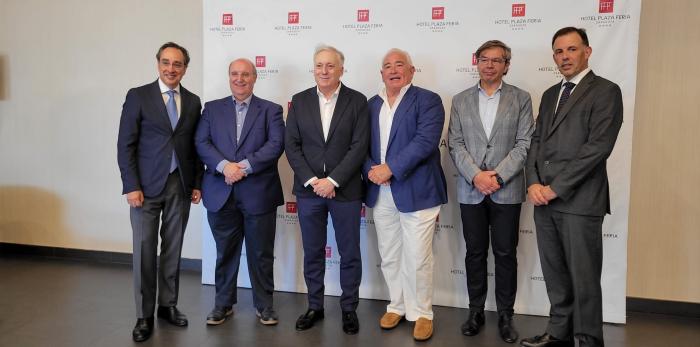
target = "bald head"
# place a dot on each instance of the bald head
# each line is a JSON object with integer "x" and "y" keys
{"x": 242, "y": 76}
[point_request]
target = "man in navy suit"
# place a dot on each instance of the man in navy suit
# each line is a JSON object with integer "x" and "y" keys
{"x": 326, "y": 143}
{"x": 578, "y": 123}
{"x": 406, "y": 188}
{"x": 161, "y": 176}
{"x": 240, "y": 139}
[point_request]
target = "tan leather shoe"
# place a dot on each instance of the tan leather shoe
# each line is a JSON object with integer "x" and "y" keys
{"x": 423, "y": 329}
{"x": 390, "y": 320}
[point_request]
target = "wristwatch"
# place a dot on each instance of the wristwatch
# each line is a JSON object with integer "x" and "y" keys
{"x": 500, "y": 180}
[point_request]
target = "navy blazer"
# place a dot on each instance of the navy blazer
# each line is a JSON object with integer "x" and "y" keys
{"x": 342, "y": 153}
{"x": 146, "y": 141}
{"x": 261, "y": 142}
{"x": 413, "y": 153}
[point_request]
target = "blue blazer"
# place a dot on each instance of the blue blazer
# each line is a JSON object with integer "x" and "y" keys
{"x": 261, "y": 142}
{"x": 146, "y": 141}
{"x": 413, "y": 153}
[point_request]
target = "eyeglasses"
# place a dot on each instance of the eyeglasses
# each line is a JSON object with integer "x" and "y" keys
{"x": 494, "y": 61}
{"x": 176, "y": 65}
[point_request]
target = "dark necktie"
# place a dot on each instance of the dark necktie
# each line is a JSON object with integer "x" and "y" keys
{"x": 171, "y": 107}
{"x": 568, "y": 86}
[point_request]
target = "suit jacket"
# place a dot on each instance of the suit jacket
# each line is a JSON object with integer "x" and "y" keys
{"x": 505, "y": 151}
{"x": 146, "y": 141}
{"x": 342, "y": 153}
{"x": 570, "y": 155}
{"x": 413, "y": 153}
{"x": 261, "y": 142}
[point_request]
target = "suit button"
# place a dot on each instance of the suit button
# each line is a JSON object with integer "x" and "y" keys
{"x": 546, "y": 162}
{"x": 488, "y": 146}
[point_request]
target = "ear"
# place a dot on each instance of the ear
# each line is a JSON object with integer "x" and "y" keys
{"x": 588, "y": 50}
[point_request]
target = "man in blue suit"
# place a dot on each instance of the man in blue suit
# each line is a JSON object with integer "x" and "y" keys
{"x": 326, "y": 144}
{"x": 406, "y": 188}
{"x": 161, "y": 176}
{"x": 240, "y": 139}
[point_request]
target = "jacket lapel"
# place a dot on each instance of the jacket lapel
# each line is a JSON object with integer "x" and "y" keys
{"x": 375, "y": 107}
{"x": 339, "y": 111}
{"x": 158, "y": 105}
{"x": 578, "y": 92}
{"x": 473, "y": 111}
{"x": 250, "y": 118}
{"x": 406, "y": 102}
{"x": 314, "y": 111}
{"x": 229, "y": 120}
{"x": 502, "y": 111}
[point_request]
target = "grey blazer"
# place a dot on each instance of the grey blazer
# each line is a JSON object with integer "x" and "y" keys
{"x": 570, "y": 153}
{"x": 505, "y": 151}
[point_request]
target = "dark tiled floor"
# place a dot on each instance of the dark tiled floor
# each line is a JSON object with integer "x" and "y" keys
{"x": 47, "y": 302}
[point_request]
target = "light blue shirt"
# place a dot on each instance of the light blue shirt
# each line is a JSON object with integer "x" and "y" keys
{"x": 241, "y": 112}
{"x": 488, "y": 106}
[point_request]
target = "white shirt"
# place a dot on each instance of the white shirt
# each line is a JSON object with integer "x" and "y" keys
{"x": 386, "y": 119}
{"x": 576, "y": 79}
{"x": 164, "y": 90}
{"x": 327, "y": 106}
{"x": 488, "y": 106}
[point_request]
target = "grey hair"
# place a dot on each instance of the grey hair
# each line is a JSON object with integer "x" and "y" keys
{"x": 399, "y": 51}
{"x": 326, "y": 48}
{"x": 250, "y": 62}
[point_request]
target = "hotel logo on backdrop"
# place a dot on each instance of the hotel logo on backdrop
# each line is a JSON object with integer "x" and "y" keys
{"x": 362, "y": 24}
{"x": 438, "y": 22}
{"x": 606, "y": 16}
{"x": 293, "y": 26}
{"x": 264, "y": 72}
{"x": 518, "y": 21}
{"x": 226, "y": 27}
{"x": 289, "y": 217}
{"x": 470, "y": 70}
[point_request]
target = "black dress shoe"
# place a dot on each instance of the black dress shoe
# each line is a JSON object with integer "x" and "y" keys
{"x": 308, "y": 319}
{"x": 219, "y": 314}
{"x": 546, "y": 340}
{"x": 172, "y": 315}
{"x": 473, "y": 324}
{"x": 506, "y": 329}
{"x": 350, "y": 323}
{"x": 143, "y": 329}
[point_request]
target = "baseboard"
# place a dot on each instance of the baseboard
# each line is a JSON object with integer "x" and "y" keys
{"x": 674, "y": 308}
{"x": 15, "y": 249}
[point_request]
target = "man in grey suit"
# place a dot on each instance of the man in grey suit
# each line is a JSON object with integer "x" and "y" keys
{"x": 489, "y": 134}
{"x": 578, "y": 123}
{"x": 161, "y": 175}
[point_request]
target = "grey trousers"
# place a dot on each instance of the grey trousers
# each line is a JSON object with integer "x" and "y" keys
{"x": 171, "y": 208}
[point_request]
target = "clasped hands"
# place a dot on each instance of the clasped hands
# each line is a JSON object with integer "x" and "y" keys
{"x": 324, "y": 188}
{"x": 486, "y": 182}
{"x": 233, "y": 172}
{"x": 380, "y": 175}
{"x": 540, "y": 195}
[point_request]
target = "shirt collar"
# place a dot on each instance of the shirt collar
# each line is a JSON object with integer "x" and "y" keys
{"x": 500, "y": 86}
{"x": 335, "y": 93}
{"x": 245, "y": 101}
{"x": 576, "y": 79}
{"x": 382, "y": 92}
{"x": 164, "y": 88}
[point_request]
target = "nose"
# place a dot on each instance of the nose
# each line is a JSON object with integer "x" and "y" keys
{"x": 324, "y": 70}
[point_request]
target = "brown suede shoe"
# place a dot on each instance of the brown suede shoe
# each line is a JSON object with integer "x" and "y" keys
{"x": 390, "y": 320}
{"x": 423, "y": 329}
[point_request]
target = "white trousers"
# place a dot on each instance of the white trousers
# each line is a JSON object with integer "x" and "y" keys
{"x": 405, "y": 243}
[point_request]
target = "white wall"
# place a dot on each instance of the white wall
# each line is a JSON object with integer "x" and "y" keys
{"x": 65, "y": 67}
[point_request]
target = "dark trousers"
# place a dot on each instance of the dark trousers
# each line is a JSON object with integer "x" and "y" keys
{"x": 503, "y": 220}
{"x": 171, "y": 207}
{"x": 230, "y": 226}
{"x": 313, "y": 219}
{"x": 571, "y": 254}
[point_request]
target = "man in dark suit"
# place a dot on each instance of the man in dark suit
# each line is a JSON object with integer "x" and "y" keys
{"x": 326, "y": 142}
{"x": 577, "y": 126}
{"x": 490, "y": 128}
{"x": 161, "y": 176}
{"x": 240, "y": 139}
{"x": 406, "y": 188}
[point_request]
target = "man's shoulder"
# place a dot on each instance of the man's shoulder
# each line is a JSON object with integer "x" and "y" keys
{"x": 422, "y": 92}
{"x": 305, "y": 93}
{"x": 516, "y": 90}
{"x": 465, "y": 93}
{"x": 354, "y": 94}
{"x": 264, "y": 103}
{"x": 217, "y": 102}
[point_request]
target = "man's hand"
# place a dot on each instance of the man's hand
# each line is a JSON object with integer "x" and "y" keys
{"x": 233, "y": 173}
{"x": 548, "y": 193}
{"x": 135, "y": 198}
{"x": 380, "y": 174}
{"x": 486, "y": 182}
{"x": 324, "y": 188}
{"x": 196, "y": 196}
{"x": 536, "y": 193}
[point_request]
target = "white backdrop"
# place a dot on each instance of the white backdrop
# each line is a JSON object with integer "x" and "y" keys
{"x": 280, "y": 37}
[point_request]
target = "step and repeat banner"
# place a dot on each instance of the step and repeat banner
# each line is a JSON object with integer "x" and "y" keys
{"x": 441, "y": 36}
